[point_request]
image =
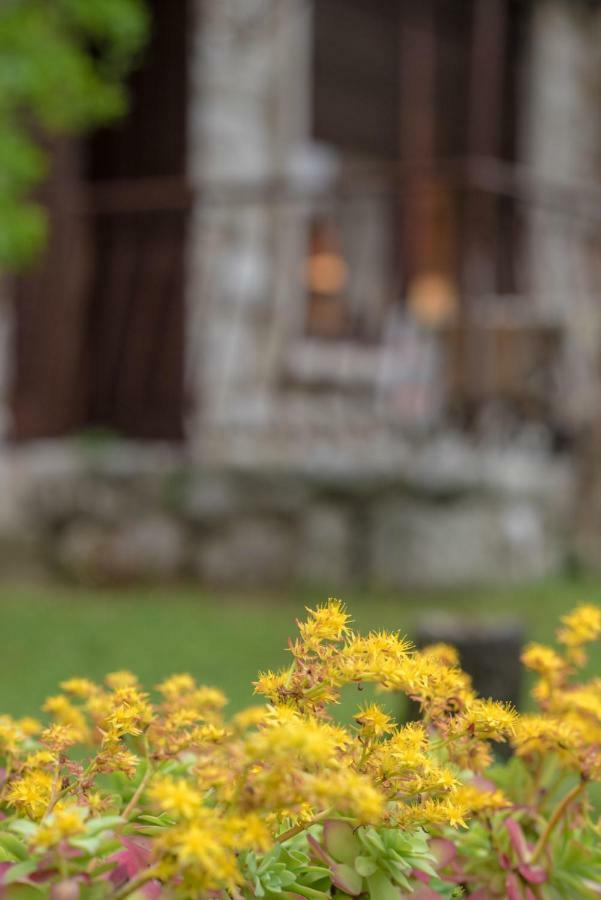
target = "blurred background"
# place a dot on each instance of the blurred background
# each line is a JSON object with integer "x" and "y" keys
{"x": 300, "y": 298}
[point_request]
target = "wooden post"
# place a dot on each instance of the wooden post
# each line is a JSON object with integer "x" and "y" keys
{"x": 427, "y": 214}
{"x": 485, "y": 132}
{"x": 50, "y": 310}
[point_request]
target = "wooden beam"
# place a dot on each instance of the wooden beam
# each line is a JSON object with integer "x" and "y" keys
{"x": 485, "y": 135}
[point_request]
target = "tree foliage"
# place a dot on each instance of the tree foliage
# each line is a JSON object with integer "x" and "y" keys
{"x": 62, "y": 70}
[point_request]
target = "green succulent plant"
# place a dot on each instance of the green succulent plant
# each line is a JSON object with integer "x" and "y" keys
{"x": 287, "y": 871}
{"x": 380, "y": 862}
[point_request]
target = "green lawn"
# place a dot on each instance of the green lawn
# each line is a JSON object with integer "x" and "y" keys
{"x": 49, "y": 633}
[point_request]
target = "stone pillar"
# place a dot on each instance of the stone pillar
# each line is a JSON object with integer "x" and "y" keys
{"x": 562, "y": 145}
{"x": 249, "y": 115}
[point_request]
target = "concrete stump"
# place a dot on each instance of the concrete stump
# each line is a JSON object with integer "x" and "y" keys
{"x": 489, "y": 651}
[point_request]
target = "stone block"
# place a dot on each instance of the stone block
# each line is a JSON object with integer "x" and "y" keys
{"x": 470, "y": 541}
{"x": 325, "y": 544}
{"x": 213, "y": 495}
{"x": 150, "y": 548}
{"x": 248, "y": 551}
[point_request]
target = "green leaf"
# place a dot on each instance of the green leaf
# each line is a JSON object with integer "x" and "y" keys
{"x": 94, "y": 826}
{"x": 22, "y": 892}
{"x": 163, "y": 819}
{"x": 94, "y": 891}
{"x": 24, "y": 827}
{"x": 19, "y": 870}
{"x": 13, "y": 845}
{"x": 347, "y": 879}
{"x": 340, "y": 841}
{"x": 365, "y": 866}
{"x": 381, "y": 887}
{"x": 89, "y": 845}
{"x": 371, "y": 840}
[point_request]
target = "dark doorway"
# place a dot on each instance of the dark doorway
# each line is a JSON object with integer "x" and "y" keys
{"x": 99, "y": 324}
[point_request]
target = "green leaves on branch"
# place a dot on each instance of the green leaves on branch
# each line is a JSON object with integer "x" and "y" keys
{"x": 62, "y": 68}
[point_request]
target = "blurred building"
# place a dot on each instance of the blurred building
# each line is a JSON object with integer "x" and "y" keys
{"x": 326, "y": 305}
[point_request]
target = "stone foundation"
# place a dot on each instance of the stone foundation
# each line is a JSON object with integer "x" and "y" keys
{"x": 127, "y": 513}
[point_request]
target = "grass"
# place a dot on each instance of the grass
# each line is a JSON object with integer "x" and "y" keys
{"x": 49, "y": 634}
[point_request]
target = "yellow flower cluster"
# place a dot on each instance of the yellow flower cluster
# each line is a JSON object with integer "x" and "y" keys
{"x": 204, "y": 790}
{"x": 570, "y": 721}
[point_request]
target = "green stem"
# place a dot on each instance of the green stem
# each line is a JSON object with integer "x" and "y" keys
{"x": 7, "y": 774}
{"x": 302, "y": 826}
{"x": 138, "y": 792}
{"x": 131, "y": 886}
{"x": 62, "y": 866}
{"x": 555, "y": 818}
{"x": 55, "y": 793}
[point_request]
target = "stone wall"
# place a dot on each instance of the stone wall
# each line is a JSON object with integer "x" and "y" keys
{"x": 123, "y": 513}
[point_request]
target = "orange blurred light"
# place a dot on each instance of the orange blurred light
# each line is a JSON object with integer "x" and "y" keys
{"x": 326, "y": 273}
{"x": 432, "y": 299}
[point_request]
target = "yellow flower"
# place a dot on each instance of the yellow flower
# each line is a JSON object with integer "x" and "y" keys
{"x": 439, "y": 689}
{"x": 79, "y": 687}
{"x": 121, "y": 679}
{"x": 374, "y": 658}
{"x": 40, "y": 759}
{"x": 175, "y": 796}
{"x": 11, "y": 735}
{"x": 129, "y": 713}
{"x": 30, "y": 794}
{"x": 351, "y": 793}
{"x": 249, "y": 718}
{"x": 441, "y": 653}
{"x": 487, "y": 720}
{"x": 478, "y": 800}
{"x": 59, "y": 737}
{"x": 65, "y": 822}
{"x": 543, "y": 660}
{"x": 373, "y": 722}
{"x": 581, "y": 626}
{"x": 96, "y": 802}
{"x": 272, "y": 685}
{"x": 181, "y": 718}
{"x": 203, "y": 852}
{"x": 176, "y": 685}
{"x": 249, "y": 832}
{"x": 29, "y": 726}
{"x": 449, "y": 810}
{"x": 62, "y": 711}
{"x": 328, "y": 622}
{"x": 208, "y": 699}
{"x": 544, "y": 734}
{"x": 114, "y": 758}
{"x": 302, "y": 740}
{"x": 406, "y": 748}
{"x": 208, "y": 734}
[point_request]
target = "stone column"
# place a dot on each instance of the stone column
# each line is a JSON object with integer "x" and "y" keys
{"x": 562, "y": 145}
{"x": 249, "y": 115}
